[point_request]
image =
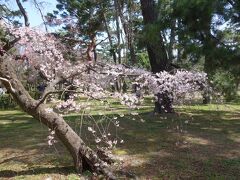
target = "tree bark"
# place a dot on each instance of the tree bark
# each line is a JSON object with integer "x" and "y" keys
{"x": 156, "y": 49}
{"x": 112, "y": 51}
{"x": 209, "y": 46}
{"x": 172, "y": 40}
{"x": 83, "y": 156}
{"x": 131, "y": 34}
{"x": 163, "y": 103}
{"x": 118, "y": 31}
{"x": 157, "y": 53}
{"x": 127, "y": 28}
{"x": 91, "y": 49}
{"x": 23, "y": 12}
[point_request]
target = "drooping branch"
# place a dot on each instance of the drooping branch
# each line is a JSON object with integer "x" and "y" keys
{"x": 81, "y": 153}
{"x": 112, "y": 51}
{"x": 24, "y": 13}
{"x": 67, "y": 91}
{"x": 51, "y": 86}
{"x": 8, "y": 82}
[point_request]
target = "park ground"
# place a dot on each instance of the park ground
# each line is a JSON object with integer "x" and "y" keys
{"x": 197, "y": 142}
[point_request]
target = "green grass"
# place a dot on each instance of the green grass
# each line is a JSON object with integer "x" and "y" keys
{"x": 198, "y": 142}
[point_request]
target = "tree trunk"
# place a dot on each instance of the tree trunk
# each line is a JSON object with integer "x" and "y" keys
{"x": 127, "y": 28}
{"x": 163, "y": 104}
{"x": 210, "y": 66}
{"x": 112, "y": 50}
{"x": 23, "y": 12}
{"x": 157, "y": 53}
{"x": 206, "y": 97}
{"x": 83, "y": 156}
{"x": 118, "y": 32}
{"x": 91, "y": 48}
{"x": 172, "y": 40}
{"x": 131, "y": 34}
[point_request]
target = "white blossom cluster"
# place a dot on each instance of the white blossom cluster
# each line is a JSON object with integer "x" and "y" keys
{"x": 95, "y": 80}
{"x": 37, "y": 43}
{"x": 51, "y": 138}
{"x": 130, "y": 100}
{"x": 174, "y": 85}
{"x": 105, "y": 139}
{"x": 70, "y": 105}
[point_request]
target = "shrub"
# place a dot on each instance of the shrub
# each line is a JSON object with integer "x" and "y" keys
{"x": 6, "y": 101}
{"x": 225, "y": 82}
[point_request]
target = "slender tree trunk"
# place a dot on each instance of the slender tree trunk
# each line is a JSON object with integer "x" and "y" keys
{"x": 95, "y": 54}
{"x": 172, "y": 40}
{"x": 157, "y": 53}
{"x": 112, "y": 51}
{"x": 23, "y": 12}
{"x": 91, "y": 49}
{"x": 207, "y": 68}
{"x": 131, "y": 34}
{"x": 118, "y": 31}
{"x": 127, "y": 27}
{"x": 83, "y": 156}
{"x": 209, "y": 65}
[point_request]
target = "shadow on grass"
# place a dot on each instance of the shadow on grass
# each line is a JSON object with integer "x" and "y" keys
{"x": 187, "y": 164}
{"x": 196, "y": 143}
{"x": 205, "y": 144}
{"x": 36, "y": 171}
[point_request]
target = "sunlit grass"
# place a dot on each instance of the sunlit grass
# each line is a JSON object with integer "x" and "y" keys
{"x": 195, "y": 142}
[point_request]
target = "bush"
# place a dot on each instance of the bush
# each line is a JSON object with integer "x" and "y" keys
{"x": 6, "y": 102}
{"x": 143, "y": 61}
{"x": 224, "y": 82}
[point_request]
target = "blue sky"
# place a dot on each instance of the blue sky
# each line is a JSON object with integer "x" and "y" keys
{"x": 33, "y": 14}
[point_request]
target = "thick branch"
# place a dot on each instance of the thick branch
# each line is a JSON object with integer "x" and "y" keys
{"x": 66, "y": 91}
{"x": 80, "y": 152}
{"x": 9, "y": 84}
{"x": 55, "y": 92}
{"x": 51, "y": 87}
{"x": 24, "y": 13}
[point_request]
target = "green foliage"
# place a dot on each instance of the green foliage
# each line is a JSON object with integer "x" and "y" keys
{"x": 189, "y": 64}
{"x": 88, "y": 14}
{"x": 206, "y": 29}
{"x": 142, "y": 60}
{"x": 151, "y": 33}
{"x": 9, "y": 14}
{"x": 6, "y": 102}
{"x": 225, "y": 82}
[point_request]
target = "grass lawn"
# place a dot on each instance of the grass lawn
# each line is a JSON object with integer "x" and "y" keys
{"x": 198, "y": 142}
